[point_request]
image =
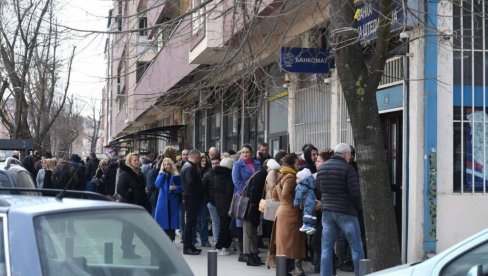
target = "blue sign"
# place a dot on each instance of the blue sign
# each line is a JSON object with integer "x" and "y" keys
{"x": 305, "y": 60}
{"x": 369, "y": 19}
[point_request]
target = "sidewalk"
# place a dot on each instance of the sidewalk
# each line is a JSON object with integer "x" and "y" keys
{"x": 228, "y": 265}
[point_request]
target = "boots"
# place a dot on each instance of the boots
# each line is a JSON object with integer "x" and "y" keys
{"x": 253, "y": 260}
{"x": 298, "y": 269}
{"x": 243, "y": 258}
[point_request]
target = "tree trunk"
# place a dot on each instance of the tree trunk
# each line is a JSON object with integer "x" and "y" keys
{"x": 359, "y": 84}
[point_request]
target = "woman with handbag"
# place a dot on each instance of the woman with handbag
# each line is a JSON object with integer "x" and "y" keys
{"x": 131, "y": 187}
{"x": 97, "y": 179}
{"x": 167, "y": 209}
{"x": 289, "y": 241}
{"x": 242, "y": 170}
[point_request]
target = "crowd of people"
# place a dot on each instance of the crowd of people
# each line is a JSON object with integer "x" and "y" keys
{"x": 317, "y": 198}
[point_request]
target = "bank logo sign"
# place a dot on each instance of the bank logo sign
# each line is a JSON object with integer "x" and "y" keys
{"x": 369, "y": 18}
{"x": 305, "y": 60}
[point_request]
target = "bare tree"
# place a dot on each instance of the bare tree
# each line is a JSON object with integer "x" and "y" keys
{"x": 95, "y": 120}
{"x": 360, "y": 73}
{"x": 66, "y": 129}
{"x": 31, "y": 95}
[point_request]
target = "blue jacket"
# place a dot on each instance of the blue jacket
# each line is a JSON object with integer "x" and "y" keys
{"x": 168, "y": 204}
{"x": 302, "y": 188}
{"x": 240, "y": 174}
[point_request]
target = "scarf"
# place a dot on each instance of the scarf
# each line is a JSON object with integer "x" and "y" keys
{"x": 286, "y": 170}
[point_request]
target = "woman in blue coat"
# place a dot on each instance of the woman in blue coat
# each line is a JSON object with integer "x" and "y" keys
{"x": 168, "y": 204}
{"x": 241, "y": 172}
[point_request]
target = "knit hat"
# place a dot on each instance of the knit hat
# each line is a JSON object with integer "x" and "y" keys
{"x": 304, "y": 174}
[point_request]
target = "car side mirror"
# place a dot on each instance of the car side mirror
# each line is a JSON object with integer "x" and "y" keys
{"x": 476, "y": 270}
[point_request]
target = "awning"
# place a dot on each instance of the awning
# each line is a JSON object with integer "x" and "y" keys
{"x": 168, "y": 133}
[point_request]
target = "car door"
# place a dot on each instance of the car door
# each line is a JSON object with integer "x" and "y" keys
{"x": 459, "y": 260}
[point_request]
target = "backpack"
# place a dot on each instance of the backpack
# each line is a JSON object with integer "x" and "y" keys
{"x": 64, "y": 173}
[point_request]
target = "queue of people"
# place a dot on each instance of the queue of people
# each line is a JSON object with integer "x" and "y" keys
{"x": 316, "y": 198}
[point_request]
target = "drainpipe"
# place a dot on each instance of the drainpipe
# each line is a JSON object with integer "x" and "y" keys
{"x": 430, "y": 130}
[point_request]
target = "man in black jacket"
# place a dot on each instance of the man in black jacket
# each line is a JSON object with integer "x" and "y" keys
{"x": 192, "y": 198}
{"x": 341, "y": 204}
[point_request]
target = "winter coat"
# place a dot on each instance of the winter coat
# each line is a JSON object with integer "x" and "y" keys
{"x": 109, "y": 178}
{"x": 302, "y": 188}
{"x": 339, "y": 185}
{"x": 168, "y": 204}
{"x": 91, "y": 168}
{"x": 100, "y": 188}
{"x": 191, "y": 181}
{"x": 271, "y": 177}
{"x": 288, "y": 239}
{"x": 240, "y": 174}
{"x": 131, "y": 186}
{"x": 208, "y": 181}
{"x": 224, "y": 189}
{"x": 47, "y": 182}
{"x": 255, "y": 190}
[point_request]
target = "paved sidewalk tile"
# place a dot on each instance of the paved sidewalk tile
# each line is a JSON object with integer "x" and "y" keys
{"x": 229, "y": 266}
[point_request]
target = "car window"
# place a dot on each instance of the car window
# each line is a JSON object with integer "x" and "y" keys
{"x": 461, "y": 265}
{"x": 4, "y": 180}
{"x": 91, "y": 243}
{"x": 24, "y": 179}
{"x": 3, "y": 266}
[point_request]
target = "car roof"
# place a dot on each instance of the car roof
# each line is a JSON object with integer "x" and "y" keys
{"x": 42, "y": 204}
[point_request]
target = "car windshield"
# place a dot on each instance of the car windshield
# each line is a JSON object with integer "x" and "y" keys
{"x": 106, "y": 242}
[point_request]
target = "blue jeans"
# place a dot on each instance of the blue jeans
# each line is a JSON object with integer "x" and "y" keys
{"x": 214, "y": 216}
{"x": 202, "y": 221}
{"x": 333, "y": 223}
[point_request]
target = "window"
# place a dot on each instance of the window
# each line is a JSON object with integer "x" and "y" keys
{"x": 141, "y": 69}
{"x": 118, "y": 17}
{"x": 461, "y": 265}
{"x": 89, "y": 243}
{"x": 3, "y": 242}
{"x": 470, "y": 119}
{"x": 143, "y": 26}
{"x": 198, "y": 23}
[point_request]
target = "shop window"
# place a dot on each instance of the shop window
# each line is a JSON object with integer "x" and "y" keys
{"x": 470, "y": 97}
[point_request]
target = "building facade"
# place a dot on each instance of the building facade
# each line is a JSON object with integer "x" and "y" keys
{"x": 202, "y": 78}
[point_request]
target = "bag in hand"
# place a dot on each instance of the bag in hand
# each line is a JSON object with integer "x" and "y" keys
{"x": 238, "y": 206}
{"x": 96, "y": 181}
{"x": 270, "y": 209}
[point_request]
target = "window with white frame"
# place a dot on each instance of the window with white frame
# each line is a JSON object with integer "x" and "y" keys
{"x": 197, "y": 23}
{"x": 470, "y": 119}
{"x": 142, "y": 26}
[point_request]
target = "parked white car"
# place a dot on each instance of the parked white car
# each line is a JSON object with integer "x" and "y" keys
{"x": 468, "y": 257}
{"x": 65, "y": 236}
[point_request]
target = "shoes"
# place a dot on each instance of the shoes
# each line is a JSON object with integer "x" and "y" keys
{"x": 253, "y": 260}
{"x": 347, "y": 266}
{"x": 130, "y": 255}
{"x": 311, "y": 231}
{"x": 297, "y": 272}
{"x": 222, "y": 252}
{"x": 304, "y": 228}
{"x": 207, "y": 244}
{"x": 243, "y": 258}
{"x": 191, "y": 251}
